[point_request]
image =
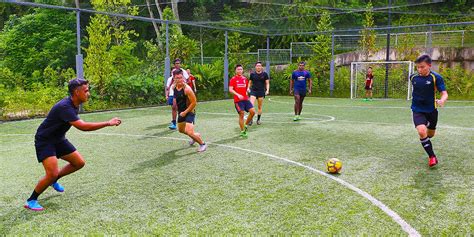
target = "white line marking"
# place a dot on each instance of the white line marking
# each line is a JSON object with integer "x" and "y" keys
{"x": 328, "y": 118}
{"x": 367, "y": 107}
{"x": 399, "y": 220}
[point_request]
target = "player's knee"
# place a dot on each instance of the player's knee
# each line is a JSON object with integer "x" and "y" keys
{"x": 52, "y": 175}
{"x": 80, "y": 163}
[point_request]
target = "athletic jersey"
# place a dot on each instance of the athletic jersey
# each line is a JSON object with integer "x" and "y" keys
{"x": 239, "y": 83}
{"x": 368, "y": 79}
{"x": 424, "y": 91}
{"x": 182, "y": 100}
{"x": 53, "y": 129}
{"x": 299, "y": 78}
{"x": 190, "y": 82}
{"x": 168, "y": 85}
{"x": 258, "y": 81}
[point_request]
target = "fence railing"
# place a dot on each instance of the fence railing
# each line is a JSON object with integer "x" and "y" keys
{"x": 454, "y": 38}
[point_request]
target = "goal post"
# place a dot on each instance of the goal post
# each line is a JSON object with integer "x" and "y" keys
{"x": 399, "y": 86}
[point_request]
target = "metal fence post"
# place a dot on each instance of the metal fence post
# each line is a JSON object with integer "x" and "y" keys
{"x": 267, "y": 66}
{"x": 226, "y": 66}
{"x": 167, "y": 58}
{"x": 331, "y": 75}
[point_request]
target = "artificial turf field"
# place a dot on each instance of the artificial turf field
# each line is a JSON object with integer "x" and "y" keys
{"x": 141, "y": 178}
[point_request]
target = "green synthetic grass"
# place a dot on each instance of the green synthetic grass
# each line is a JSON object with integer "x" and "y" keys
{"x": 141, "y": 181}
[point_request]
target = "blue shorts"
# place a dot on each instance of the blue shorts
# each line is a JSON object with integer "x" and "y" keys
{"x": 258, "y": 94}
{"x": 428, "y": 119}
{"x": 300, "y": 92}
{"x": 243, "y": 105}
{"x": 60, "y": 149}
{"x": 189, "y": 118}
{"x": 170, "y": 100}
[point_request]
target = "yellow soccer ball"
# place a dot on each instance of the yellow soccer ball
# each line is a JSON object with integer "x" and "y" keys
{"x": 333, "y": 166}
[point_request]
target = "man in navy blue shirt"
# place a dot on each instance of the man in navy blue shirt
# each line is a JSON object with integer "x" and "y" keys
{"x": 51, "y": 142}
{"x": 424, "y": 103}
{"x": 298, "y": 81}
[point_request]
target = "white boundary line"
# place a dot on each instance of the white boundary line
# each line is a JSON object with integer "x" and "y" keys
{"x": 366, "y": 107}
{"x": 310, "y": 119}
{"x": 399, "y": 220}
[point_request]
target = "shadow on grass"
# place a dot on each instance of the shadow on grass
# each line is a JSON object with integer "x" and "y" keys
{"x": 158, "y": 126}
{"x": 230, "y": 140}
{"x": 163, "y": 159}
{"x": 429, "y": 182}
{"x": 19, "y": 215}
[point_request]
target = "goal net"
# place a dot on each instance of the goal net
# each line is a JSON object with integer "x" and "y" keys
{"x": 396, "y": 85}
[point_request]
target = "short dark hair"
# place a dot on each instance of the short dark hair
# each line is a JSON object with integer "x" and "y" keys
{"x": 177, "y": 72}
{"x": 238, "y": 65}
{"x": 258, "y": 62}
{"x": 75, "y": 83}
{"x": 302, "y": 62}
{"x": 423, "y": 58}
{"x": 177, "y": 60}
{"x": 369, "y": 68}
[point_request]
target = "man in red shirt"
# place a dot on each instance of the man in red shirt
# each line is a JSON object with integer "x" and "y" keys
{"x": 238, "y": 86}
{"x": 191, "y": 81}
{"x": 369, "y": 80}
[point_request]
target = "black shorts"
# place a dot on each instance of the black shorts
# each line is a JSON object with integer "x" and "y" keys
{"x": 60, "y": 149}
{"x": 300, "y": 92}
{"x": 368, "y": 88}
{"x": 258, "y": 94}
{"x": 189, "y": 118}
{"x": 243, "y": 105}
{"x": 428, "y": 119}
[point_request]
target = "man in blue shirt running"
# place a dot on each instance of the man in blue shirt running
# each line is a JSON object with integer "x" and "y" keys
{"x": 424, "y": 103}
{"x": 298, "y": 81}
{"x": 51, "y": 142}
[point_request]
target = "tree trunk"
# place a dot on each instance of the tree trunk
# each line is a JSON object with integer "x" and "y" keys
{"x": 174, "y": 6}
{"x": 155, "y": 26}
{"x": 160, "y": 12}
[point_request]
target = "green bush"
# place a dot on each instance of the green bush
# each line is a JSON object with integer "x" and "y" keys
{"x": 20, "y": 103}
{"x": 459, "y": 82}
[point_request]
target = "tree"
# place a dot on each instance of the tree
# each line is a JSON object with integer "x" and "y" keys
{"x": 319, "y": 63}
{"x": 38, "y": 40}
{"x": 110, "y": 50}
{"x": 367, "y": 42}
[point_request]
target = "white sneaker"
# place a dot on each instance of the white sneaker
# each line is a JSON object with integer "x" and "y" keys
{"x": 191, "y": 142}
{"x": 202, "y": 147}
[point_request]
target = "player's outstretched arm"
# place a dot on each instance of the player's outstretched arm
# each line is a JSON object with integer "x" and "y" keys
{"x": 86, "y": 126}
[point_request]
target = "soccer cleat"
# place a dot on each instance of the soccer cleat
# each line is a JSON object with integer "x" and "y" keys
{"x": 243, "y": 134}
{"x": 433, "y": 161}
{"x": 258, "y": 122}
{"x": 58, "y": 187}
{"x": 295, "y": 118}
{"x": 298, "y": 117}
{"x": 33, "y": 205}
{"x": 202, "y": 147}
{"x": 172, "y": 126}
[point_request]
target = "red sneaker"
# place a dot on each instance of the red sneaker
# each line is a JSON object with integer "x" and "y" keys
{"x": 433, "y": 161}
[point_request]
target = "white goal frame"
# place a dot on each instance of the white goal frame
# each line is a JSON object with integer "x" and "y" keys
{"x": 410, "y": 64}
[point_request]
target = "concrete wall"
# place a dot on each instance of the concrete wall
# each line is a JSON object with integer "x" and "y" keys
{"x": 447, "y": 56}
